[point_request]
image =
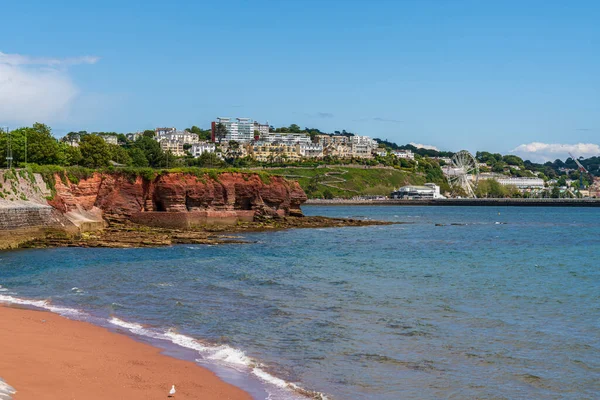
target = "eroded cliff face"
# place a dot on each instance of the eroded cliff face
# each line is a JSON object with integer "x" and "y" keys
{"x": 118, "y": 197}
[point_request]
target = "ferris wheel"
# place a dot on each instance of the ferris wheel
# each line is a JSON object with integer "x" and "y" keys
{"x": 463, "y": 172}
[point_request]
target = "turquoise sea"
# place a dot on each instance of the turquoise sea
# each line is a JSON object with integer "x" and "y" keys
{"x": 490, "y": 303}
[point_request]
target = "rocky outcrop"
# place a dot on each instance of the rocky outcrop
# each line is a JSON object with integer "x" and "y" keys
{"x": 204, "y": 198}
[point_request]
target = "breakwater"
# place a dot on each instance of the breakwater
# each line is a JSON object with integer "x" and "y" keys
{"x": 587, "y": 202}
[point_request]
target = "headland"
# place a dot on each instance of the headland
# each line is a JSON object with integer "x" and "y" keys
{"x": 148, "y": 208}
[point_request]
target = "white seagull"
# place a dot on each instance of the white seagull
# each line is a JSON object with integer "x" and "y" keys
{"x": 172, "y": 391}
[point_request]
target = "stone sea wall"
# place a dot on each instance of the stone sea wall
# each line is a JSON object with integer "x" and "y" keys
{"x": 22, "y": 223}
{"x": 24, "y": 211}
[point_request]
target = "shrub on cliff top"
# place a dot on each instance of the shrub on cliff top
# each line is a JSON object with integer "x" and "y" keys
{"x": 76, "y": 173}
{"x": 132, "y": 173}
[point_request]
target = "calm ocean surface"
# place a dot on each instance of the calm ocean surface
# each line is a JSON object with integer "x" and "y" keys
{"x": 504, "y": 305}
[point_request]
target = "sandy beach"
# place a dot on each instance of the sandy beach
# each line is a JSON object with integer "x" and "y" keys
{"x": 44, "y": 356}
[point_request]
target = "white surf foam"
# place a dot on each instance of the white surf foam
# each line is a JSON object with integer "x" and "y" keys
{"x": 45, "y": 304}
{"x": 219, "y": 354}
{"x": 136, "y": 329}
{"x": 185, "y": 341}
{"x": 6, "y": 391}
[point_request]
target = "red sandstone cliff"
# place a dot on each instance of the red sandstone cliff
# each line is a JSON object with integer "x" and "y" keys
{"x": 119, "y": 197}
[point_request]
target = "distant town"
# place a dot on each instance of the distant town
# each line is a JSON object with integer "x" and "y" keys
{"x": 246, "y": 143}
{"x": 243, "y": 137}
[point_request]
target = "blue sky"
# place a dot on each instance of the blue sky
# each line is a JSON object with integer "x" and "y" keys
{"x": 480, "y": 75}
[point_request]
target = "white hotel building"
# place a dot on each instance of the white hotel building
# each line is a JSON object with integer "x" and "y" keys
{"x": 522, "y": 183}
{"x": 240, "y": 130}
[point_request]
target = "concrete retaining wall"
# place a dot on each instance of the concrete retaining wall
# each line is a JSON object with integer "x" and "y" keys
{"x": 20, "y": 224}
{"x": 192, "y": 219}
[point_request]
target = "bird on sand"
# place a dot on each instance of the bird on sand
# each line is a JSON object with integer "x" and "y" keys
{"x": 172, "y": 391}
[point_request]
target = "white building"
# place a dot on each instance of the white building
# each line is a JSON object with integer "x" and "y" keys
{"x": 381, "y": 152}
{"x": 262, "y": 129}
{"x": 327, "y": 140}
{"x": 446, "y": 160}
{"x": 184, "y": 137}
{"x": 310, "y": 150}
{"x": 407, "y": 154}
{"x": 364, "y": 140}
{"x": 427, "y": 192}
{"x": 522, "y": 183}
{"x": 286, "y": 138}
{"x": 362, "y": 146}
{"x": 110, "y": 139}
{"x": 158, "y": 132}
{"x": 198, "y": 149}
{"x": 240, "y": 130}
{"x": 72, "y": 140}
{"x": 134, "y": 136}
{"x": 174, "y": 146}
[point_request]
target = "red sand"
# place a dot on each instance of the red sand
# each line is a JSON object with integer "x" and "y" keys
{"x": 44, "y": 356}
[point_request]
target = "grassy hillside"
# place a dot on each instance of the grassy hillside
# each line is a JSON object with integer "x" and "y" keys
{"x": 348, "y": 182}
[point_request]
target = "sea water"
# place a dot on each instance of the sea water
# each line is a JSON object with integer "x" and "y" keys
{"x": 455, "y": 303}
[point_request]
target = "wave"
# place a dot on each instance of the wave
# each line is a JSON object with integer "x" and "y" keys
{"x": 219, "y": 354}
{"x": 45, "y": 304}
{"x": 6, "y": 391}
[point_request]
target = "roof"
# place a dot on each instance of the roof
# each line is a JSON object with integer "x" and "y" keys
{"x": 415, "y": 187}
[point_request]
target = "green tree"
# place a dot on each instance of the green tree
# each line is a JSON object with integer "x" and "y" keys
{"x": 203, "y": 134}
{"x": 119, "y": 155}
{"x": 149, "y": 133}
{"x": 70, "y": 155}
{"x": 35, "y": 144}
{"x": 513, "y": 160}
{"x": 152, "y": 151}
{"x": 138, "y": 158}
{"x": 498, "y": 167}
{"x": 327, "y": 194}
{"x": 122, "y": 139}
{"x": 95, "y": 152}
{"x": 208, "y": 160}
{"x": 294, "y": 128}
{"x": 220, "y": 132}
{"x": 496, "y": 190}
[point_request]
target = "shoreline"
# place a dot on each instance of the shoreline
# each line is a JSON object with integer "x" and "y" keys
{"x": 127, "y": 235}
{"x": 46, "y": 356}
{"x": 587, "y": 202}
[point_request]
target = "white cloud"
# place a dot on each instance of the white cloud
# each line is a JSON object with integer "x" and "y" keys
{"x": 424, "y": 146}
{"x": 36, "y": 89}
{"x": 19, "y": 59}
{"x": 542, "y": 152}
